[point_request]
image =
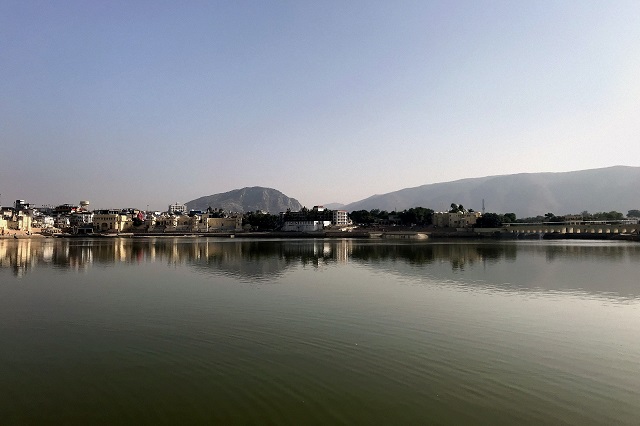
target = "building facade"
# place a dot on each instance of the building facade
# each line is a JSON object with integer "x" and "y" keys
{"x": 455, "y": 220}
{"x": 111, "y": 221}
{"x": 305, "y": 225}
{"x": 177, "y": 208}
{"x": 340, "y": 217}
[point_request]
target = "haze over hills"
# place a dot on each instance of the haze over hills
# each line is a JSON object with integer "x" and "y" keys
{"x": 525, "y": 194}
{"x": 247, "y": 200}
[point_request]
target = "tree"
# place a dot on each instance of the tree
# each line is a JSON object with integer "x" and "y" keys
{"x": 490, "y": 220}
{"x": 612, "y": 215}
{"x": 261, "y": 221}
{"x": 416, "y": 216}
{"x": 633, "y": 213}
{"x": 362, "y": 216}
{"x": 457, "y": 208}
{"x": 550, "y": 217}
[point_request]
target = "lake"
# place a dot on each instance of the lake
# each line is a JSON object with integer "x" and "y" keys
{"x": 232, "y": 331}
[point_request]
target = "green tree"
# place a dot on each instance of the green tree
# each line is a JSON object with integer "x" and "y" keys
{"x": 612, "y": 215}
{"x": 550, "y": 217}
{"x": 490, "y": 220}
{"x": 457, "y": 208}
{"x": 416, "y": 216}
{"x": 260, "y": 221}
{"x": 362, "y": 216}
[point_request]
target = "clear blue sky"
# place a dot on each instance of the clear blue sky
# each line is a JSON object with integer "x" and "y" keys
{"x": 137, "y": 103}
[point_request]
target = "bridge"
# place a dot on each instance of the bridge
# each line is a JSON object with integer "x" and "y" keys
{"x": 578, "y": 227}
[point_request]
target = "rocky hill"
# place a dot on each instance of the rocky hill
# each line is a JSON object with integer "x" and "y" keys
{"x": 246, "y": 200}
{"x": 526, "y": 194}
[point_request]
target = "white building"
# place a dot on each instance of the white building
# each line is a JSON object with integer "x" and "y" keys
{"x": 305, "y": 225}
{"x": 43, "y": 222}
{"x": 340, "y": 217}
{"x": 177, "y": 208}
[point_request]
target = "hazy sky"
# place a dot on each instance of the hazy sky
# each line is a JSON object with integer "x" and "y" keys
{"x": 138, "y": 103}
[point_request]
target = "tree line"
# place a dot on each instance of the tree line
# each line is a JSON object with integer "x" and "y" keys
{"x": 495, "y": 220}
{"x": 421, "y": 216}
{"x": 414, "y": 216}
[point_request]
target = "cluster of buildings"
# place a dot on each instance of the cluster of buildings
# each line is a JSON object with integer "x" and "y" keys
{"x": 78, "y": 219}
{"x": 106, "y": 221}
{"x": 16, "y": 218}
{"x": 315, "y": 219}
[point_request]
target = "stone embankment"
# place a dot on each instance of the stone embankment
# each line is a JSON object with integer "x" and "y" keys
{"x": 12, "y": 233}
{"x": 385, "y": 233}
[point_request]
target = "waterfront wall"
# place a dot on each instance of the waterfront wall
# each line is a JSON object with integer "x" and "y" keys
{"x": 547, "y": 228}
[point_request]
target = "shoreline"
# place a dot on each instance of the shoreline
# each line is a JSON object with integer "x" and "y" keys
{"x": 363, "y": 234}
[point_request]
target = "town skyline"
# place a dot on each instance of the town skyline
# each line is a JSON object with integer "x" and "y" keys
{"x": 526, "y": 194}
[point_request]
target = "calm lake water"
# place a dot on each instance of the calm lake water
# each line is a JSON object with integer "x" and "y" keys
{"x": 212, "y": 331}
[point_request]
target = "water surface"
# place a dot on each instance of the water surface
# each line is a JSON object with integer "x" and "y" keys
{"x": 319, "y": 332}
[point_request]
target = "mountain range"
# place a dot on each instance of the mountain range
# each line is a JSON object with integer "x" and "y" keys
{"x": 525, "y": 194}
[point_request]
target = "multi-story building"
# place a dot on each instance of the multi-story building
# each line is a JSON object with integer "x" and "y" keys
{"x": 41, "y": 220}
{"x": 81, "y": 218}
{"x": 21, "y": 205}
{"x": 177, "y": 208}
{"x": 184, "y": 223}
{"x": 223, "y": 224}
{"x": 315, "y": 219}
{"x": 19, "y": 219}
{"x": 111, "y": 221}
{"x": 166, "y": 222}
{"x": 455, "y": 220}
{"x": 194, "y": 223}
{"x": 340, "y": 217}
{"x": 65, "y": 209}
{"x": 62, "y": 222}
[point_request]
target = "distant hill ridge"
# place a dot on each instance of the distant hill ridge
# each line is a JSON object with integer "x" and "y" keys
{"x": 526, "y": 194}
{"x": 247, "y": 200}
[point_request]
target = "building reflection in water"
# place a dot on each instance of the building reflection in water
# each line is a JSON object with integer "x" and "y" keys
{"x": 262, "y": 260}
{"x": 78, "y": 254}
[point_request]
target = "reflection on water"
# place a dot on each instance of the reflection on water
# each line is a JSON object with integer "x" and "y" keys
{"x": 507, "y": 266}
{"x": 183, "y": 331}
